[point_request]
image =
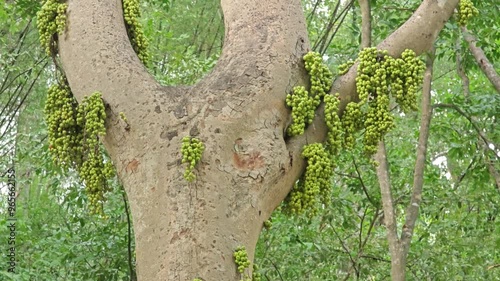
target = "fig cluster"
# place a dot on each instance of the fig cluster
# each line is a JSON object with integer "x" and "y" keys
{"x": 131, "y": 14}
{"x": 74, "y": 129}
{"x": 51, "y": 20}
{"x": 241, "y": 258}
{"x": 256, "y": 276}
{"x": 64, "y": 132}
{"x": 351, "y": 123}
{"x": 73, "y": 132}
{"x": 191, "y": 149}
{"x": 379, "y": 77}
{"x": 466, "y": 11}
{"x": 94, "y": 171}
{"x": 314, "y": 187}
{"x": 268, "y": 224}
{"x": 304, "y": 103}
{"x": 334, "y": 125}
{"x": 344, "y": 68}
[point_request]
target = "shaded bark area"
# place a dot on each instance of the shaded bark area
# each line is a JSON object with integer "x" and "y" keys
{"x": 186, "y": 230}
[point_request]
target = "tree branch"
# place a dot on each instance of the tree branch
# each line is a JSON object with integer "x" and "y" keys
{"x": 418, "y": 177}
{"x": 493, "y": 171}
{"x": 365, "y": 190}
{"x": 133, "y": 276}
{"x": 324, "y": 32}
{"x": 417, "y": 33}
{"x": 387, "y": 200}
{"x": 366, "y": 27}
{"x": 481, "y": 59}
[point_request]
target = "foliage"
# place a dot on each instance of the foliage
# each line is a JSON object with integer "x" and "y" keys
{"x": 51, "y": 213}
{"x": 55, "y": 238}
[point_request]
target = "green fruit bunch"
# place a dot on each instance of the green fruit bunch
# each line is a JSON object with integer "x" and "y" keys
{"x": 51, "y": 20}
{"x": 320, "y": 76}
{"x": 380, "y": 76}
{"x": 191, "y": 150}
{"x": 94, "y": 171}
{"x": 466, "y": 11}
{"x": 351, "y": 123}
{"x": 302, "y": 110}
{"x": 241, "y": 258}
{"x": 131, "y": 14}
{"x": 74, "y": 131}
{"x": 344, "y": 68}
{"x": 64, "y": 133}
{"x": 268, "y": 224}
{"x": 304, "y": 103}
{"x": 91, "y": 115}
{"x": 378, "y": 122}
{"x": 407, "y": 75}
{"x": 315, "y": 185}
{"x": 333, "y": 123}
{"x": 256, "y": 276}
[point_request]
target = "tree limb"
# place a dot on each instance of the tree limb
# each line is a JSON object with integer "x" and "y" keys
{"x": 465, "y": 85}
{"x": 481, "y": 59}
{"x": 387, "y": 199}
{"x": 366, "y": 26}
{"x": 417, "y": 33}
{"x": 418, "y": 177}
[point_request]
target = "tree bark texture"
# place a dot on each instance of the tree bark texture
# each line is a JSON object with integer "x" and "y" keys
{"x": 186, "y": 230}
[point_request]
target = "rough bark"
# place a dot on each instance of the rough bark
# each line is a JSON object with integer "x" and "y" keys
{"x": 187, "y": 230}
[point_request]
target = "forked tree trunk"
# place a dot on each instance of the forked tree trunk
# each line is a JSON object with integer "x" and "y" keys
{"x": 186, "y": 230}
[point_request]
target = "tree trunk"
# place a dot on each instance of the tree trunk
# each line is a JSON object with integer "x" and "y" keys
{"x": 398, "y": 264}
{"x": 186, "y": 230}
